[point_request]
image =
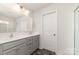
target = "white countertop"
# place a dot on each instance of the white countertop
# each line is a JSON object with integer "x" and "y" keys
{"x": 16, "y": 37}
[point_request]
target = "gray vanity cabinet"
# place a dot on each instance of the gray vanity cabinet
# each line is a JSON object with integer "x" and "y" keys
{"x": 24, "y": 46}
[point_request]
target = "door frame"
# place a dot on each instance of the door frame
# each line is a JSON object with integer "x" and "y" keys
{"x": 74, "y": 27}
{"x": 46, "y": 13}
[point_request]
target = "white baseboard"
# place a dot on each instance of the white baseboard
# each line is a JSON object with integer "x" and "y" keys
{"x": 65, "y": 52}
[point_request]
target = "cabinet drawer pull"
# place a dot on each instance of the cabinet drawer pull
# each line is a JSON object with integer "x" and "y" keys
{"x": 29, "y": 44}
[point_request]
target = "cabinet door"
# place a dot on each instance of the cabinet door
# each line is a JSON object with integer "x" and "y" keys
{"x": 0, "y": 49}
{"x": 29, "y": 45}
{"x": 21, "y": 49}
{"x": 35, "y": 42}
{"x": 29, "y": 49}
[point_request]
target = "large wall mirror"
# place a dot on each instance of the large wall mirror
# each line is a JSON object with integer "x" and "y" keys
{"x": 13, "y": 18}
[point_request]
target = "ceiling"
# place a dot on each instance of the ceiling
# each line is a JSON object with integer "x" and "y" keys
{"x": 34, "y": 6}
{"x": 10, "y": 11}
{"x": 13, "y": 11}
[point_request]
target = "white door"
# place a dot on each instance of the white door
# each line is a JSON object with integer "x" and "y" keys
{"x": 50, "y": 31}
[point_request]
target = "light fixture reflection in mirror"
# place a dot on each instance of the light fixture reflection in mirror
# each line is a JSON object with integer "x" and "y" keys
{"x": 4, "y": 22}
{"x": 21, "y": 9}
{"x": 25, "y": 11}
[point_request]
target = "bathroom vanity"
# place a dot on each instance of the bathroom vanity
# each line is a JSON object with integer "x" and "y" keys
{"x": 22, "y": 46}
{"x": 13, "y": 23}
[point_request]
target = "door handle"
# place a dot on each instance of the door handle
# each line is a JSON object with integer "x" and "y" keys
{"x": 54, "y": 34}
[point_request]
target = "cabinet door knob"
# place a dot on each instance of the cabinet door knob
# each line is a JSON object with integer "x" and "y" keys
{"x": 54, "y": 34}
{"x": 17, "y": 49}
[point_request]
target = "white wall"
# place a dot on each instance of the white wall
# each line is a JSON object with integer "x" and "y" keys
{"x": 65, "y": 17}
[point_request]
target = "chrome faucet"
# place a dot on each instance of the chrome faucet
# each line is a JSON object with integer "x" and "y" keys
{"x": 11, "y": 35}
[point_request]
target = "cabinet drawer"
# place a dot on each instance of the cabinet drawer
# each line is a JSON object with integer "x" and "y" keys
{"x": 29, "y": 39}
{"x": 18, "y": 50}
{"x": 21, "y": 49}
{"x": 9, "y": 45}
{"x": 29, "y": 44}
{"x": 11, "y": 51}
{"x": 36, "y": 37}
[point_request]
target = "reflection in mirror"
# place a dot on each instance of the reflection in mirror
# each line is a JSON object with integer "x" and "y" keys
{"x": 12, "y": 15}
{"x": 7, "y": 25}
